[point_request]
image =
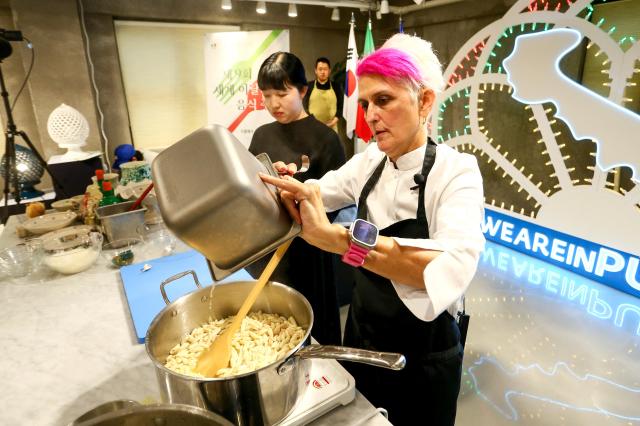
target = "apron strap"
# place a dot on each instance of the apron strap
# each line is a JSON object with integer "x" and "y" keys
{"x": 427, "y": 165}
{"x": 373, "y": 180}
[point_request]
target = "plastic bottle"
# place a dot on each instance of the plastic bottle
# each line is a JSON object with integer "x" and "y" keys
{"x": 108, "y": 196}
{"x": 100, "y": 179}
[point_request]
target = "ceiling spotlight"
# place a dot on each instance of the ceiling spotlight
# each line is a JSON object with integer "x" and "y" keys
{"x": 261, "y": 8}
{"x": 384, "y": 7}
{"x": 335, "y": 15}
{"x": 417, "y": 1}
{"x": 293, "y": 10}
{"x": 226, "y": 4}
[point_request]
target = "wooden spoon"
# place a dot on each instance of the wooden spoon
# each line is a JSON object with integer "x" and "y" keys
{"x": 218, "y": 354}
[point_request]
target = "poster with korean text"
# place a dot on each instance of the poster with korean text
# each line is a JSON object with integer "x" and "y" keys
{"x": 232, "y": 61}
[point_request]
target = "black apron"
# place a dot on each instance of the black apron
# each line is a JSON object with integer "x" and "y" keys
{"x": 426, "y": 390}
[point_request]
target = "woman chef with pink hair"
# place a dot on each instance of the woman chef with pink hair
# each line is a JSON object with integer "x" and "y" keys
{"x": 417, "y": 239}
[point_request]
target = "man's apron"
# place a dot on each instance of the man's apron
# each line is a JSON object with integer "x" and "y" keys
{"x": 323, "y": 104}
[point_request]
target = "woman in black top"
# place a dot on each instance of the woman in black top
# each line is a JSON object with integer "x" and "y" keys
{"x": 295, "y": 133}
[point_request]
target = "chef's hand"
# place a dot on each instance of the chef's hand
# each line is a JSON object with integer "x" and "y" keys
{"x": 304, "y": 204}
{"x": 285, "y": 169}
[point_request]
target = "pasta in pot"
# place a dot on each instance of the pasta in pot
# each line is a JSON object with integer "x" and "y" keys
{"x": 262, "y": 339}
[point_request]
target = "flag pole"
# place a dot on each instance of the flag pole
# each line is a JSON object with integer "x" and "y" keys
{"x": 349, "y": 111}
{"x": 354, "y": 137}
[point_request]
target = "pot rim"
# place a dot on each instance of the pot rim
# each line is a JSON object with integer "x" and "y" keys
{"x": 137, "y": 408}
{"x": 288, "y": 355}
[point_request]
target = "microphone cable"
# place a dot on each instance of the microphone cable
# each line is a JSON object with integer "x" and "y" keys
{"x": 26, "y": 78}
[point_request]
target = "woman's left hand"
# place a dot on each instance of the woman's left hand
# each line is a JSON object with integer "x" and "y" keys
{"x": 304, "y": 204}
{"x": 285, "y": 169}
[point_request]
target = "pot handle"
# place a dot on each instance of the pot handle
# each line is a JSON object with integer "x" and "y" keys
{"x": 174, "y": 278}
{"x": 390, "y": 360}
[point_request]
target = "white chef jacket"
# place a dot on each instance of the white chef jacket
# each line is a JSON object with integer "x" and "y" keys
{"x": 453, "y": 205}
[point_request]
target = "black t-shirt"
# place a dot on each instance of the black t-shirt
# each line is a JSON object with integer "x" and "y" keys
{"x": 304, "y": 267}
{"x": 288, "y": 142}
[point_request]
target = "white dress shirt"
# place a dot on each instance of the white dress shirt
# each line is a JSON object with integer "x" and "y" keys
{"x": 453, "y": 205}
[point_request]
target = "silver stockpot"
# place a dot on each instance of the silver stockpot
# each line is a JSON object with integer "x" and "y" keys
{"x": 262, "y": 397}
{"x": 130, "y": 413}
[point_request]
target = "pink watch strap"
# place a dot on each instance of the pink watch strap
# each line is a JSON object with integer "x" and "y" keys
{"x": 355, "y": 255}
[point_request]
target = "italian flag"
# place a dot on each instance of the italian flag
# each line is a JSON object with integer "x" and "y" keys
{"x": 362, "y": 128}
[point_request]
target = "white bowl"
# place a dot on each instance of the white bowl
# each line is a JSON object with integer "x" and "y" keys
{"x": 72, "y": 255}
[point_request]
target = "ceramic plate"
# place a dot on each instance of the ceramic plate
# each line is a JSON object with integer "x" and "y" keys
{"x": 63, "y": 205}
{"x": 49, "y": 222}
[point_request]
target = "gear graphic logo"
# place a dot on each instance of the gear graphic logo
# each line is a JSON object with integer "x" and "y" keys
{"x": 546, "y": 98}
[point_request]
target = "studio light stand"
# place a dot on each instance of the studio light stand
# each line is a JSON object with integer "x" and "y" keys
{"x": 11, "y": 131}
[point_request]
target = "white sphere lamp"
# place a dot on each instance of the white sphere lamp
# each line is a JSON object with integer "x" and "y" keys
{"x": 69, "y": 129}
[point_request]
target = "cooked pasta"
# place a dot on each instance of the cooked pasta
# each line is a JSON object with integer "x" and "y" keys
{"x": 262, "y": 339}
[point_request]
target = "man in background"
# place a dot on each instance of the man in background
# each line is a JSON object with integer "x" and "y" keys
{"x": 324, "y": 99}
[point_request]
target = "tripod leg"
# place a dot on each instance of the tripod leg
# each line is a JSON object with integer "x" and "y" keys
{"x": 57, "y": 185}
{"x": 9, "y": 172}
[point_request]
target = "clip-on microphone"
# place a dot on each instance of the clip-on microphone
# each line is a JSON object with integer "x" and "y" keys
{"x": 419, "y": 179}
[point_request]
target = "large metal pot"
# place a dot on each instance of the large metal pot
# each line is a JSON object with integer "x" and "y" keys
{"x": 264, "y": 396}
{"x": 115, "y": 413}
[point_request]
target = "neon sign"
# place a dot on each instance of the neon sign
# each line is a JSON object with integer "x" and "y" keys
{"x": 606, "y": 265}
{"x": 595, "y": 300}
{"x": 533, "y": 70}
{"x": 549, "y": 194}
{"x": 514, "y": 389}
{"x": 506, "y": 406}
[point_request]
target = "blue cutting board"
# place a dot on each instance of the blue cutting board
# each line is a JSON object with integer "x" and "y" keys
{"x": 142, "y": 289}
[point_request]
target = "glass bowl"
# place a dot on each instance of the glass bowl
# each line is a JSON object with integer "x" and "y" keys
{"x": 122, "y": 252}
{"x": 159, "y": 241}
{"x": 72, "y": 253}
{"x": 22, "y": 259}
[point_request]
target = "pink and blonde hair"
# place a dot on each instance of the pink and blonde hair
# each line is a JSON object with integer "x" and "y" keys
{"x": 390, "y": 63}
{"x": 405, "y": 59}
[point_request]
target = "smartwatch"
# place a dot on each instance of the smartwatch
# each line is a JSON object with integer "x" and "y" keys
{"x": 364, "y": 236}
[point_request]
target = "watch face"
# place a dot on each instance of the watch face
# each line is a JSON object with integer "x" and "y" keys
{"x": 364, "y": 232}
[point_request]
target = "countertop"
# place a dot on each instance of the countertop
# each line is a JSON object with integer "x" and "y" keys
{"x": 69, "y": 346}
{"x": 536, "y": 353}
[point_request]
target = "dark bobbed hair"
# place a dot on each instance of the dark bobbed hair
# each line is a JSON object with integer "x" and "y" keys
{"x": 280, "y": 71}
{"x": 323, "y": 60}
